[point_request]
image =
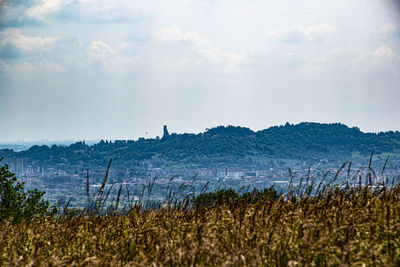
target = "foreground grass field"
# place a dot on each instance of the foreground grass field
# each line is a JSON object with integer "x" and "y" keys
{"x": 357, "y": 226}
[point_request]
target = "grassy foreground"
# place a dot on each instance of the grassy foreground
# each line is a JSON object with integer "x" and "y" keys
{"x": 354, "y": 227}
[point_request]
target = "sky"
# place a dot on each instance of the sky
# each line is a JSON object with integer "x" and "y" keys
{"x": 121, "y": 69}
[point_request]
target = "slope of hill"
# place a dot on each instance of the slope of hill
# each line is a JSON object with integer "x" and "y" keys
{"x": 224, "y": 145}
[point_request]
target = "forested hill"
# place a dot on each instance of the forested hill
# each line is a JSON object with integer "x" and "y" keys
{"x": 224, "y": 144}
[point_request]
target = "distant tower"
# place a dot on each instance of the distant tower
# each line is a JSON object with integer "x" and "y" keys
{"x": 165, "y": 131}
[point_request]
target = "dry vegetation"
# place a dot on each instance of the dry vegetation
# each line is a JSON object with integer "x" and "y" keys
{"x": 337, "y": 227}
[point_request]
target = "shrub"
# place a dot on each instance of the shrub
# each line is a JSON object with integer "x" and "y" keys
{"x": 217, "y": 197}
{"x": 16, "y": 203}
{"x": 225, "y": 196}
{"x": 257, "y": 195}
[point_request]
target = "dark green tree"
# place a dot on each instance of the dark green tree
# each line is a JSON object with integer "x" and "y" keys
{"x": 16, "y": 203}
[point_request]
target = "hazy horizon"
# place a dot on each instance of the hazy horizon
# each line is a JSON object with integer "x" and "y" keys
{"x": 59, "y": 141}
{"x": 97, "y": 69}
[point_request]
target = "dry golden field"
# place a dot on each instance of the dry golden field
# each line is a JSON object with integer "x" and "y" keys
{"x": 353, "y": 227}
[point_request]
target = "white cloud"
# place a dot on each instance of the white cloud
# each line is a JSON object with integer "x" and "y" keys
{"x": 215, "y": 55}
{"x": 196, "y": 38}
{"x": 4, "y": 66}
{"x": 38, "y": 68}
{"x": 299, "y": 32}
{"x": 361, "y": 59}
{"x": 101, "y": 48}
{"x": 12, "y": 13}
{"x": 102, "y": 57}
{"x": 203, "y": 46}
{"x": 84, "y": 10}
{"x": 386, "y": 28}
{"x": 382, "y": 55}
{"x": 16, "y": 38}
{"x": 46, "y": 7}
{"x": 173, "y": 34}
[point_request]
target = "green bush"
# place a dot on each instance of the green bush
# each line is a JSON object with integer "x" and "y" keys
{"x": 225, "y": 196}
{"x": 16, "y": 203}
{"x": 257, "y": 195}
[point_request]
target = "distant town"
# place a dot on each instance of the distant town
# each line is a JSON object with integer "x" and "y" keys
{"x": 225, "y": 158}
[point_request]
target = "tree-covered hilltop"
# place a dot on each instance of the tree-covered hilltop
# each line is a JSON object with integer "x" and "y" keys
{"x": 220, "y": 145}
